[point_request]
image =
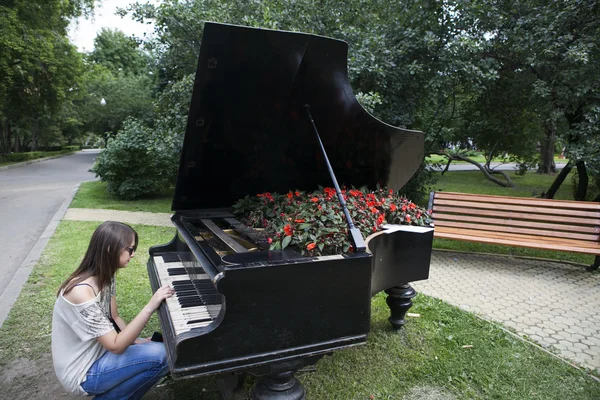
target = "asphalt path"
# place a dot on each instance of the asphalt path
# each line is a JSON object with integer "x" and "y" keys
{"x": 30, "y": 196}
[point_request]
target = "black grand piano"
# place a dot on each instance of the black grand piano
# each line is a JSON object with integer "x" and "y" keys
{"x": 240, "y": 307}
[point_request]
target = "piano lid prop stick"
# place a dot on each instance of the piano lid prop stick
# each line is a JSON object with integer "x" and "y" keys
{"x": 357, "y": 239}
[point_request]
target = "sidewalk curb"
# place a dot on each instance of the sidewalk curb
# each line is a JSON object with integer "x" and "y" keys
{"x": 24, "y": 163}
{"x": 12, "y": 291}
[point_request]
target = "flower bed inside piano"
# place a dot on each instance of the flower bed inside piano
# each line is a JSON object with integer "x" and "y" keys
{"x": 315, "y": 223}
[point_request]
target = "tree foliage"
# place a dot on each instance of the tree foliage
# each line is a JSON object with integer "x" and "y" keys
{"x": 38, "y": 69}
{"x": 119, "y": 53}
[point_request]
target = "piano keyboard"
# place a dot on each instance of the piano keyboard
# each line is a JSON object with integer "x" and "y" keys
{"x": 194, "y": 305}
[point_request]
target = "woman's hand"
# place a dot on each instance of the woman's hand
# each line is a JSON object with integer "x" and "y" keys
{"x": 162, "y": 293}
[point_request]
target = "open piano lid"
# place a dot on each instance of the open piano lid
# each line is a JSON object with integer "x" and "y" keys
{"x": 248, "y": 132}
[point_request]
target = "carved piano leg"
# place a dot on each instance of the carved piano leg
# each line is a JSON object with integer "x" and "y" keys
{"x": 278, "y": 386}
{"x": 399, "y": 300}
{"x": 279, "y": 382}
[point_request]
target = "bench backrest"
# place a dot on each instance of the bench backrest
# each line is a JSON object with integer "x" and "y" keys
{"x": 531, "y": 216}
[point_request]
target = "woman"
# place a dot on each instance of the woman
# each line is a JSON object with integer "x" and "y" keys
{"x": 94, "y": 351}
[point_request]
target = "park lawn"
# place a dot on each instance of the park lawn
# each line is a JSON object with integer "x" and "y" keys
{"x": 427, "y": 354}
{"x": 437, "y": 158}
{"x": 94, "y": 195}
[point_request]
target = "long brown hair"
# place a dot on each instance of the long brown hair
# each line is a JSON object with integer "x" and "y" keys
{"x": 102, "y": 256}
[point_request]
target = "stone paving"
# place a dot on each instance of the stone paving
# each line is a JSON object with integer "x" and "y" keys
{"x": 554, "y": 304}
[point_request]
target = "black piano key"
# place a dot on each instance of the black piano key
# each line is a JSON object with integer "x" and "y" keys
{"x": 176, "y": 271}
{"x": 170, "y": 257}
{"x": 182, "y": 271}
{"x": 199, "y": 320}
{"x": 191, "y": 303}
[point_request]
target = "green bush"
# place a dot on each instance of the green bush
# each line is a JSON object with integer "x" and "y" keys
{"x": 71, "y": 148}
{"x": 138, "y": 162}
{"x": 30, "y": 155}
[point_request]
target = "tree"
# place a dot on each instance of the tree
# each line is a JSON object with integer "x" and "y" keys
{"x": 119, "y": 53}
{"x": 125, "y": 96}
{"x": 38, "y": 67}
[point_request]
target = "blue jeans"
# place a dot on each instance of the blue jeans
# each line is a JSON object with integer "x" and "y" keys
{"x": 129, "y": 375}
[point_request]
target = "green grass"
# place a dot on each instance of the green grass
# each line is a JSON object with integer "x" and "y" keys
{"x": 27, "y": 329}
{"x": 94, "y": 195}
{"x": 427, "y": 352}
{"x": 528, "y": 185}
{"x": 436, "y": 158}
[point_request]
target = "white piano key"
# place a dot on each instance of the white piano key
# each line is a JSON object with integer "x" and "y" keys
{"x": 181, "y": 316}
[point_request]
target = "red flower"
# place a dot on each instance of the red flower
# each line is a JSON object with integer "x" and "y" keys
{"x": 407, "y": 218}
{"x": 299, "y": 221}
{"x": 380, "y": 220}
{"x": 290, "y": 195}
{"x": 314, "y": 199}
{"x": 288, "y": 230}
{"x": 404, "y": 208}
{"x": 270, "y": 240}
{"x": 297, "y": 193}
{"x": 393, "y": 207}
{"x": 310, "y": 246}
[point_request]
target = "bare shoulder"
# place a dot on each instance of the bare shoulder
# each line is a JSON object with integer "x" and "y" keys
{"x": 80, "y": 294}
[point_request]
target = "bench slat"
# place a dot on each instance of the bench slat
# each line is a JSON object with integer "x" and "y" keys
{"x": 523, "y": 237}
{"x": 512, "y": 229}
{"x": 516, "y": 208}
{"x": 514, "y": 215}
{"x": 513, "y": 222}
{"x": 516, "y": 242}
{"x": 519, "y": 200}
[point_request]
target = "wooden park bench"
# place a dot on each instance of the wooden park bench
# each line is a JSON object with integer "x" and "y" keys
{"x": 559, "y": 225}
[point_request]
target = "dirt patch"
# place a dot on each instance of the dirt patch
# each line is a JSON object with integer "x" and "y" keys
{"x": 31, "y": 379}
{"x": 428, "y": 393}
{"x": 25, "y": 379}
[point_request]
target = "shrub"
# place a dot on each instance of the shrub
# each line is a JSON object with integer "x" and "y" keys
{"x": 138, "y": 162}
{"x": 71, "y": 148}
{"x": 315, "y": 221}
{"x": 30, "y": 155}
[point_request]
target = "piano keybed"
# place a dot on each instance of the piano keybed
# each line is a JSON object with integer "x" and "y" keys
{"x": 195, "y": 304}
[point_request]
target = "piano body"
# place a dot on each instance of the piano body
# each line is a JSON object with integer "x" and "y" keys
{"x": 239, "y": 306}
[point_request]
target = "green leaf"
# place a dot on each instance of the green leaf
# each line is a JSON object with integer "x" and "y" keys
{"x": 286, "y": 242}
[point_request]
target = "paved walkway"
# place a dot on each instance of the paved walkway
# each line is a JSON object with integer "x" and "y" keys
{"x": 554, "y": 304}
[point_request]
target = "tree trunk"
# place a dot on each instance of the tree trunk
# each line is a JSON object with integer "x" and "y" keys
{"x": 547, "y": 164}
{"x": 17, "y": 147}
{"x": 447, "y": 166}
{"x": 35, "y": 134}
{"x": 560, "y": 178}
{"x": 4, "y": 147}
{"x": 582, "y": 185}
{"x": 8, "y": 137}
{"x": 488, "y": 172}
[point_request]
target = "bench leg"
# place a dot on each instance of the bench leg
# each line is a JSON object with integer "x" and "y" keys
{"x": 596, "y": 264}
